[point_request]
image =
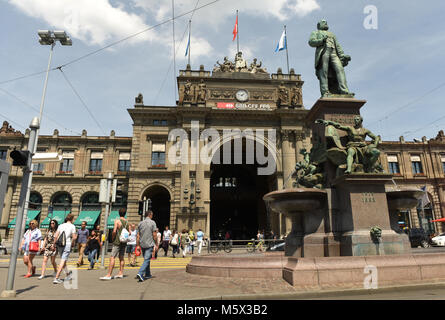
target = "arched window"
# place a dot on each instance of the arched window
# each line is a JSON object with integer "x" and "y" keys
{"x": 90, "y": 201}
{"x": 35, "y": 201}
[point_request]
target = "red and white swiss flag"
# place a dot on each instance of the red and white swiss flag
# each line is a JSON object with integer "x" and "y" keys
{"x": 235, "y": 29}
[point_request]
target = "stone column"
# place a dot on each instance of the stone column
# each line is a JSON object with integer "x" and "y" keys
{"x": 288, "y": 156}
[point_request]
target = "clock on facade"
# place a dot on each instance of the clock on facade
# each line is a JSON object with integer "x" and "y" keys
{"x": 242, "y": 95}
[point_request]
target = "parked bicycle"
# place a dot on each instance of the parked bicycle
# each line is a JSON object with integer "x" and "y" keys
{"x": 216, "y": 246}
{"x": 252, "y": 247}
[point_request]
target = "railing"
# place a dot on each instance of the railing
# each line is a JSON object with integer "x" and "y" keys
{"x": 241, "y": 245}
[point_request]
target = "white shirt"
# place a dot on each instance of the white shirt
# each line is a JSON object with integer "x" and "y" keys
{"x": 167, "y": 234}
{"x": 159, "y": 238}
{"x": 132, "y": 237}
{"x": 69, "y": 230}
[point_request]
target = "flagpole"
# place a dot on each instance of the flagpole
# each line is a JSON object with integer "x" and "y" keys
{"x": 174, "y": 53}
{"x": 237, "y": 32}
{"x": 287, "y": 54}
{"x": 190, "y": 35}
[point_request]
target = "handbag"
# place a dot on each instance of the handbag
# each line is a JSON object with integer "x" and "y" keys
{"x": 137, "y": 251}
{"x": 34, "y": 246}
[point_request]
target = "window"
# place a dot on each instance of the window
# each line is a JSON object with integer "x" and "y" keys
{"x": 159, "y": 122}
{"x": 393, "y": 164}
{"x": 442, "y": 158}
{"x": 124, "y": 162}
{"x": 96, "y": 162}
{"x": 416, "y": 165}
{"x": 3, "y": 154}
{"x": 38, "y": 167}
{"x": 158, "y": 155}
{"x": 68, "y": 161}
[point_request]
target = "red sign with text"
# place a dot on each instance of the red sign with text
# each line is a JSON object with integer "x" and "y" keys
{"x": 225, "y": 105}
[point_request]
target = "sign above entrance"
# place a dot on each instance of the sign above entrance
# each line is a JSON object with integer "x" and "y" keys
{"x": 244, "y": 106}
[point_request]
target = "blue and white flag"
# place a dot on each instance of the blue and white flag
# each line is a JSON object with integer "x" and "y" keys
{"x": 282, "y": 44}
{"x": 188, "y": 45}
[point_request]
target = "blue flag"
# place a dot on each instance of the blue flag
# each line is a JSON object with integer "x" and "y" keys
{"x": 282, "y": 44}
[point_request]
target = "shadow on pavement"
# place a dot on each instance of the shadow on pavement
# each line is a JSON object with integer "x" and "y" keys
{"x": 19, "y": 291}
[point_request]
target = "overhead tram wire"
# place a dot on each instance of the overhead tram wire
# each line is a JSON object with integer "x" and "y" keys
{"x": 171, "y": 63}
{"x": 37, "y": 110}
{"x": 81, "y": 100}
{"x": 406, "y": 105}
{"x": 113, "y": 43}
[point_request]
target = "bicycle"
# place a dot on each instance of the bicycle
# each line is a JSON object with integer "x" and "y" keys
{"x": 252, "y": 247}
{"x": 220, "y": 245}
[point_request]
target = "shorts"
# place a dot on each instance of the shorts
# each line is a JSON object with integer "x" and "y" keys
{"x": 131, "y": 248}
{"x": 118, "y": 250}
{"x": 64, "y": 252}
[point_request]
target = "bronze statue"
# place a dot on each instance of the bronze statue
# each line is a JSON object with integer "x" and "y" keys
{"x": 330, "y": 61}
{"x": 309, "y": 173}
{"x": 357, "y": 155}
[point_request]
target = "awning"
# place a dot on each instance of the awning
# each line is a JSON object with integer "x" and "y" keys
{"x": 32, "y": 214}
{"x": 59, "y": 216}
{"x": 90, "y": 217}
{"x": 113, "y": 216}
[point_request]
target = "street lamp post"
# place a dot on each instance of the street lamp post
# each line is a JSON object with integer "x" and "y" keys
{"x": 46, "y": 37}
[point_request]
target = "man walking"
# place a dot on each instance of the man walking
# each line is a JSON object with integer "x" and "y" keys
{"x": 146, "y": 239}
{"x": 82, "y": 237}
{"x": 118, "y": 248}
{"x": 199, "y": 240}
{"x": 66, "y": 231}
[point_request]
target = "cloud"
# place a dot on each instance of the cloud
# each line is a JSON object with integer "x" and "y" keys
{"x": 220, "y": 11}
{"x": 94, "y": 22}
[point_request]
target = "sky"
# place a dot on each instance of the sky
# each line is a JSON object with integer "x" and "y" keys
{"x": 122, "y": 48}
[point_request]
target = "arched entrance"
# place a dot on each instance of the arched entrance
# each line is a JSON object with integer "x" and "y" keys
{"x": 160, "y": 205}
{"x": 236, "y": 193}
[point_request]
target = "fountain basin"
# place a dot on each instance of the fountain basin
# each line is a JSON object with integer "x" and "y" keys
{"x": 403, "y": 199}
{"x": 291, "y": 201}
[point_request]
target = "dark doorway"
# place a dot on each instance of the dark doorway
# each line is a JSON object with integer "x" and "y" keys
{"x": 236, "y": 192}
{"x": 160, "y": 205}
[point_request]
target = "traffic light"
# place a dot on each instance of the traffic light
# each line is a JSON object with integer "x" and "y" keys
{"x": 20, "y": 157}
{"x": 116, "y": 191}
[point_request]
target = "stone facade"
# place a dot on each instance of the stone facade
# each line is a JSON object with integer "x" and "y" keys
{"x": 218, "y": 100}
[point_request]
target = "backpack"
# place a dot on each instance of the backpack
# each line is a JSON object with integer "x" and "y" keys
{"x": 61, "y": 241}
{"x": 124, "y": 236}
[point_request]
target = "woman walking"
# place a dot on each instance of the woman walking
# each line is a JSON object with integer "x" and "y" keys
{"x": 131, "y": 245}
{"x": 93, "y": 245}
{"x": 184, "y": 242}
{"x": 49, "y": 251}
{"x": 174, "y": 242}
{"x": 31, "y": 246}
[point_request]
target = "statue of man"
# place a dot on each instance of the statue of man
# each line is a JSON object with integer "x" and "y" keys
{"x": 188, "y": 91}
{"x": 358, "y": 150}
{"x": 240, "y": 63}
{"x": 201, "y": 91}
{"x": 329, "y": 60}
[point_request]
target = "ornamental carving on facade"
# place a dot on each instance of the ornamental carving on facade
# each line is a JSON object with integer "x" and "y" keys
{"x": 239, "y": 65}
{"x": 8, "y": 130}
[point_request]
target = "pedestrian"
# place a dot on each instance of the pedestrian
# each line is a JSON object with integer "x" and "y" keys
{"x": 93, "y": 245}
{"x": 199, "y": 240}
{"x": 158, "y": 243}
{"x": 131, "y": 245}
{"x": 48, "y": 250}
{"x": 118, "y": 249}
{"x": 146, "y": 239}
{"x": 184, "y": 242}
{"x": 191, "y": 246}
{"x": 260, "y": 238}
{"x": 166, "y": 240}
{"x": 100, "y": 235}
{"x": 67, "y": 234}
{"x": 82, "y": 237}
{"x": 174, "y": 242}
{"x": 31, "y": 246}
